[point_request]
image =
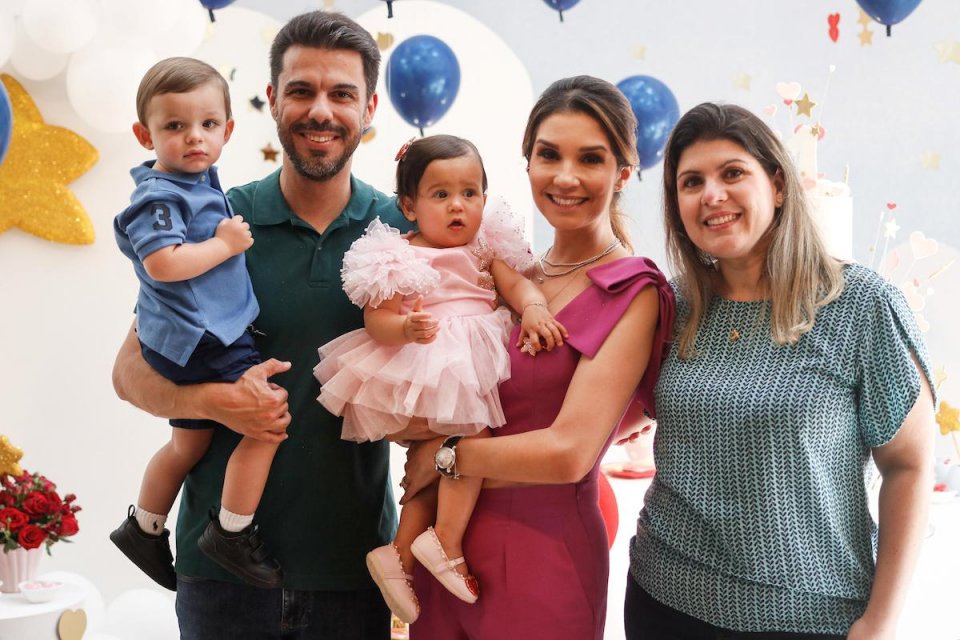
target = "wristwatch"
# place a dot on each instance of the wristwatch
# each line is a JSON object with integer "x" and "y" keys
{"x": 446, "y": 457}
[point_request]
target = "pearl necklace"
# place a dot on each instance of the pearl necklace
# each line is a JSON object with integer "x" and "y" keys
{"x": 571, "y": 266}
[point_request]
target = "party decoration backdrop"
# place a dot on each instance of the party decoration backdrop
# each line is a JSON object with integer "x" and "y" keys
{"x": 41, "y": 161}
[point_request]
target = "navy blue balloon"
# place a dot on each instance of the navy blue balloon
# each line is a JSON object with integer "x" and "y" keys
{"x": 422, "y": 77}
{"x": 657, "y": 111}
{"x": 210, "y": 5}
{"x": 888, "y": 12}
{"x": 6, "y": 122}
{"x": 561, "y": 5}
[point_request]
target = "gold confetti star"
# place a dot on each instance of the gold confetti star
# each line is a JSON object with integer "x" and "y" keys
{"x": 41, "y": 161}
{"x": 930, "y": 160}
{"x": 329, "y": 4}
{"x": 948, "y": 51}
{"x": 742, "y": 81}
{"x": 948, "y": 418}
{"x": 639, "y": 52}
{"x": 384, "y": 40}
{"x": 890, "y": 228}
{"x": 866, "y": 37}
{"x": 939, "y": 376}
{"x": 805, "y": 105}
{"x": 864, "y": 19}
{"x": 9, "y": 458}
{"x": 269, "y": 153}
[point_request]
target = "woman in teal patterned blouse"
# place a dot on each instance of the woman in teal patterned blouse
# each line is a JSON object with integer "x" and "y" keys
{"x": 789, "y": 373}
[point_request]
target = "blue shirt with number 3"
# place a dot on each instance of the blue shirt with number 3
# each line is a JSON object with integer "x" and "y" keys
{"x": 169, "y": 209}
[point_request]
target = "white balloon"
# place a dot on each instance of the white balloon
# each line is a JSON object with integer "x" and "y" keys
{"x": 34, "y": 62}
{"x": 8, "y": 35}
{"x": 142, "y": 614}
{"x": 60, "y": 26}
{"x": 186, "y": 35}
{"x": 92, "y": 603}
{"x": 102, "y": 82}
{"x": 139, "y": 18}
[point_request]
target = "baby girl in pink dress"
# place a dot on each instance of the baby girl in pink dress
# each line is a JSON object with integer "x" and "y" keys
{"x": 433, "y": 345}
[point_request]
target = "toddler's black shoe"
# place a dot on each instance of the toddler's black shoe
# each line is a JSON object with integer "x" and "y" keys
{"x": 149, "y": 552}
{"x": 241, "y": 553}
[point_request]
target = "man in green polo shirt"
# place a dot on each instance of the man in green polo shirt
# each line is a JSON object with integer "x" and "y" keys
{"x": 327, "y": 502}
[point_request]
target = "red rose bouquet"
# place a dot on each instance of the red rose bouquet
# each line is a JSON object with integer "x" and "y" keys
{"x": 32, "y": 513}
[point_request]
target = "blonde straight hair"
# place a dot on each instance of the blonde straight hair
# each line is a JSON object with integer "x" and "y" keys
{"x": 799, "y": 274}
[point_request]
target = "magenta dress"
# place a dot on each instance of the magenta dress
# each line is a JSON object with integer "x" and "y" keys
{"x": 540, "y": 552}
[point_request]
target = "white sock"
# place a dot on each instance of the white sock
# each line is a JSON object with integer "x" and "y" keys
{"x": 234, "y": 522}
{"x": 151, "y": 523}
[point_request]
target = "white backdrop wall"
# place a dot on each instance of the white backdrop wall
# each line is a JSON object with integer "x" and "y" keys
{"x": 889, "y": 113}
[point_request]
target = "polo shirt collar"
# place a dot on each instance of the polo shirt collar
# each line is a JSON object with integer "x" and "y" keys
{"x": 144, "y": 171}
{"x": 270, "y": 207}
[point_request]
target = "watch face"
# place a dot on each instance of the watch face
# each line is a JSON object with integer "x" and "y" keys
{"x": 445, "y": 457}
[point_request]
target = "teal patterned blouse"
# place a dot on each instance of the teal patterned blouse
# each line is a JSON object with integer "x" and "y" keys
{"x": 757, "y": 517}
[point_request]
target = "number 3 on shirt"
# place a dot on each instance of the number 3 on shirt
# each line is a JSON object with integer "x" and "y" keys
{"x": 162, "y": 214}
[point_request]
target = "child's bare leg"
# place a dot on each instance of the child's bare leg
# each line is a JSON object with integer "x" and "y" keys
{"x": 415, "y": 516}
{"x": 246, "y": 475}
{"x": 169, "y": 466}
{"x": 455, "y": 502}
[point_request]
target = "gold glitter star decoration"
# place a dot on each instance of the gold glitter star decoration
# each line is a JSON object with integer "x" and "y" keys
{"x": 805, "y": 105}
{"x": 866, "y": 37}
{"x": 948, "y": 418}
{"x": 384, "y": 40}
{"x": 41, "y": 161}
{"x": 864, "y": 20}
{"x": 269, "y": 153}
{"x": 930, "y": 160}
{"x": 939, "y": 377}
{"x": 948, "y": 51}
{"x": 639, "y": 52}
{"x": 9, "y": 458}
{"x": 742, "y": 81}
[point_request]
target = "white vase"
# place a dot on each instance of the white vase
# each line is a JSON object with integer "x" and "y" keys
{"x": 18, "y": 565}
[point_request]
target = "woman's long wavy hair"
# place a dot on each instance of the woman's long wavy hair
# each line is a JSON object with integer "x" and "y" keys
{"x": 799, "y": 275}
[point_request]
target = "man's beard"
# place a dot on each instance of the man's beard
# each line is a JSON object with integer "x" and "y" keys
{"x": 318, "y": 166}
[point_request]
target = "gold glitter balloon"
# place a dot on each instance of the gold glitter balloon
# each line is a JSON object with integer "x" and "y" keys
{"x": 41, "y": 161}
{"x": 9, "y": 458}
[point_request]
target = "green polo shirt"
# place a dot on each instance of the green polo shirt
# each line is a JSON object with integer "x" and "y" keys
{"x": 327, "y": 502}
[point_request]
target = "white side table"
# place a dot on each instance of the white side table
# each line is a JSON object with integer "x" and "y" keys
{"x": 21, "y": 619}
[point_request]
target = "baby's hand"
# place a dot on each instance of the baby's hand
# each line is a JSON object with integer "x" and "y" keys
{"x": 235, "y": 233}
{"x": 419, "y": 325}
{"x": 539, "y": 329}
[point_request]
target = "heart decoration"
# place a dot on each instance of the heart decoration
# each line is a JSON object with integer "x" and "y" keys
{"x": 891, "y": 205}
{"x": 922, "y": 246}
{"x": 833, "y": 20}
{"x": 72, "y": 624}
{"x": 893, "y": 261}
{"x": 915, "y": 300}
{"x": 788, "y": 91}
{"x": 770, "y": 110}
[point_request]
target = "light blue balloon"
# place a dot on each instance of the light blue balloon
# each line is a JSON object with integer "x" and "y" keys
{"x": 656, "y": 110}
{"x": 423, "y": 78}
{"x": 6, "y": 122}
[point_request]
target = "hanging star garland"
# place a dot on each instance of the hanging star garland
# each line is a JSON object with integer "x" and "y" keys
{"x": 257, "y": 103}
{"x": 269, "y": 153}
{"x": 864, "y": 19}
{"x": 9, "y": 458}
{"x": 805, "y": 105}
{"x": 866, "y": 37}
{"x": 41, "y": 161}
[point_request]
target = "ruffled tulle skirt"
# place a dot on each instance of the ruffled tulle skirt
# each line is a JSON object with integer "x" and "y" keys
{"x": 452, "y": 382}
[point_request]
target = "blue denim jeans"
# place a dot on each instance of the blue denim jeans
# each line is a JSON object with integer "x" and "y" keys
{"x": 213, "y": 610}
{"x": 647, "y": 619}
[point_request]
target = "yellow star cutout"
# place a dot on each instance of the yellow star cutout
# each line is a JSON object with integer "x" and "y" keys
{"x": 41, "y": 161}
{"x": 864, "y": 19}
{"x": 384, "y": 40}
{"x": 639, "y": 52}
{"x": 866, "y": 37}
{"x": 948, "y": 418}
{"x": 9, "y": 458}
{"x": 930, "y": 160}
{"x": 269, "y": 153}
{"x": 742, "y": 81}
{"x": 805, "y": 105}
{"x": 948, "y": 51}
{"x": 890, "y": 228}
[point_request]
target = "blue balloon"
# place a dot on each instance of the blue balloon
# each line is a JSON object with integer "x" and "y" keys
{"x": 6, "y": 122}
{"x": 210, "y": 5}
{"x": 657, "y": 111}
{"x": 560, "y": 5}
{"x": 888, "y": 12}
{"x": 423, "y": 78}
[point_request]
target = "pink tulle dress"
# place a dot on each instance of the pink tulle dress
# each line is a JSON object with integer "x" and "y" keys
{"x": 452, "y": 382}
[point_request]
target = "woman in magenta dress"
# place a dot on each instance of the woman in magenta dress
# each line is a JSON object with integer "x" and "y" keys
{"x": 537, "y": 542}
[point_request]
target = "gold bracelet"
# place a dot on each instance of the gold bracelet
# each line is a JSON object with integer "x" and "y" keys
{"x": 533, "y": 304}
